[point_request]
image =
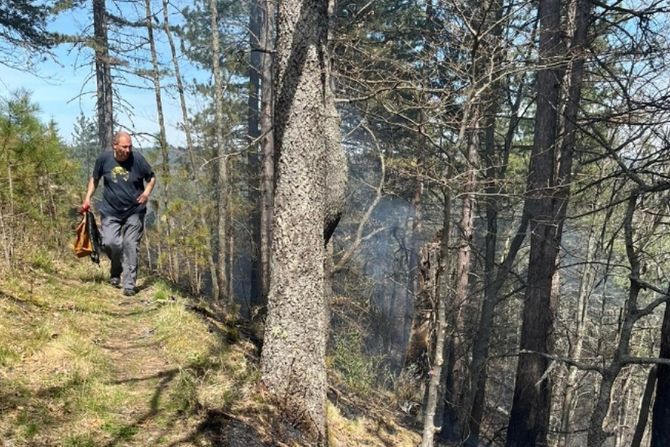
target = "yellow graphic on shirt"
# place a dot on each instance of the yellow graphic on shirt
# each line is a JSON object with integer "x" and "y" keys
{"x": 119, "y": 172}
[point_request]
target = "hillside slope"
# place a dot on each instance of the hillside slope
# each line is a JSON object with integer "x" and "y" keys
{"x": 81, "y": 365}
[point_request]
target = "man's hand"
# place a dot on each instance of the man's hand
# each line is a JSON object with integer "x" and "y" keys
{"x": 142, "y": 199}
{"x": 85, "y": 206}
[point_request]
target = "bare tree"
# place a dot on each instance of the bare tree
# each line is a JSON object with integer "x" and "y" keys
{"x": 103, "y": 76}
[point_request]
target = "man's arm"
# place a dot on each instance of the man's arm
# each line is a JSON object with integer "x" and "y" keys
{"x": 144, "y": 197}
{"x": 92, "y": 184}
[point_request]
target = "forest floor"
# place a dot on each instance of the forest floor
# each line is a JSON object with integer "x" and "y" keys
{"x": 82, "y": 365}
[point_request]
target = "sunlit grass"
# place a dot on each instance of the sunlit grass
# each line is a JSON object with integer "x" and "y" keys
{"x": 184, "y": 337}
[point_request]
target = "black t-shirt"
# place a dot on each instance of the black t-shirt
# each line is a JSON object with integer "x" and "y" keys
{"x": 124, "y": 183}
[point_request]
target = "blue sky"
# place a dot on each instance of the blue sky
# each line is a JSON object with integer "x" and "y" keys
{"x": 64, "y": 87}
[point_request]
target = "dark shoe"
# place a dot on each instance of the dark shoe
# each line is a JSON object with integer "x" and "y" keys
{"x": 129, "y": 292}
{"x": 115, "y": 282}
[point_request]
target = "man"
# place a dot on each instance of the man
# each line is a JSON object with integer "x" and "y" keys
{"x": 129, "y": 181}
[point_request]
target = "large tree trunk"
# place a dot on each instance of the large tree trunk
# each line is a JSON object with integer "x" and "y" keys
{"x": 529, "y": 418}
{"x": 309, "y": 196}
{"x": 191, "y": 153}
{"x": 222, "y": 159}
{"x": 103, "y": 76}
{"x": 660, "y": 420}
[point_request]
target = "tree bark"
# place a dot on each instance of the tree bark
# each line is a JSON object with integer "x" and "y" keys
{"x": 103, "y": 76}
{"x": 267, "y": 182}
{"x": 309, "y": 196}
{"x": 529, "y": 419}
{"x": 643, "y": 416}
{"x": 162, "y": 140}
{"x": 475, "y": 401}
{"x": 440, "y": 295}
{"x": 253, "y": 154}
{"x": 222, "y": 159}
{"x": 660, "y": 421}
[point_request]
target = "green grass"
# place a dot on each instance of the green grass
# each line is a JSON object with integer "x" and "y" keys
{"x": 42, "y": 260}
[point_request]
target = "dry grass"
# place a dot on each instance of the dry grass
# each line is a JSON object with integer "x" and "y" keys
{"x": 81, "y": 365}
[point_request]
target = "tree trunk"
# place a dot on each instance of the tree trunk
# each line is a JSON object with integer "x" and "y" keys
{"x": 253, "y": 154}
{"x": 162, "y": 141}
{"x": 457, "y": 359}
{"x": 103, "y": 76}
{"x": 309, "y": 196}
{"x": 440, "y": 294}
{"x": 643, "y": 416}
{"x": 660, "y": 421}
{"x": 596, "y": 434}
{"x": 222, "y": 159}
{"x": 578, "y": 343}
{"x": 267, "y": 146}
{"x": 529, "y": 419}
{"x": 475, "y": 402}
{"x": 191, "y": 152}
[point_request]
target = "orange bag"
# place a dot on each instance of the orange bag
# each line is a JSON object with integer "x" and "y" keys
{"x": 83, "y": 246}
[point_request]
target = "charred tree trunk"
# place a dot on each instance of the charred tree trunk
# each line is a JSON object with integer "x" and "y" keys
{"x": 309, "y": 196}
{"x": 103, "y": 76}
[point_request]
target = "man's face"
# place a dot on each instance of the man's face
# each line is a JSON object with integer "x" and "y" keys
{"x": 122, "y": 148}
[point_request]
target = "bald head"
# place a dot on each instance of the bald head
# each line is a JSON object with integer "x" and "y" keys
{"x": 119, "y": 134}
{"x": 122, "y": 145}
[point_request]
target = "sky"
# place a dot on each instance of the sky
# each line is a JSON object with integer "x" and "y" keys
{"x": 63, "y": 86}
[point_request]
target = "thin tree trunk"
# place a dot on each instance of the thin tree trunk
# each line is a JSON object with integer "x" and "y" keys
{"x": 433, "y": 392}
{"x": 191, "y": 152}
{"x": 267, "y": 145}
{"x": 162, "y": 140}
{"x": 11, "y": 218}
{"x": 456, "y": 366}
{"x": 578, "y": 343}
{"x": 103, "y": 75}
{"x": 253, "y": 155}
{"x": 643, "y": 416}
{"x": 5, "y": 239}
{"x": 230, "y": 251}
{"x": 475, "y": 402}
{"x": 222, "y": 159}
{"x": 596, "y": 434}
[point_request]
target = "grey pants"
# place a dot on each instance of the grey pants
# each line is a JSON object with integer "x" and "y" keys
{"x": 121, "y": 242}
